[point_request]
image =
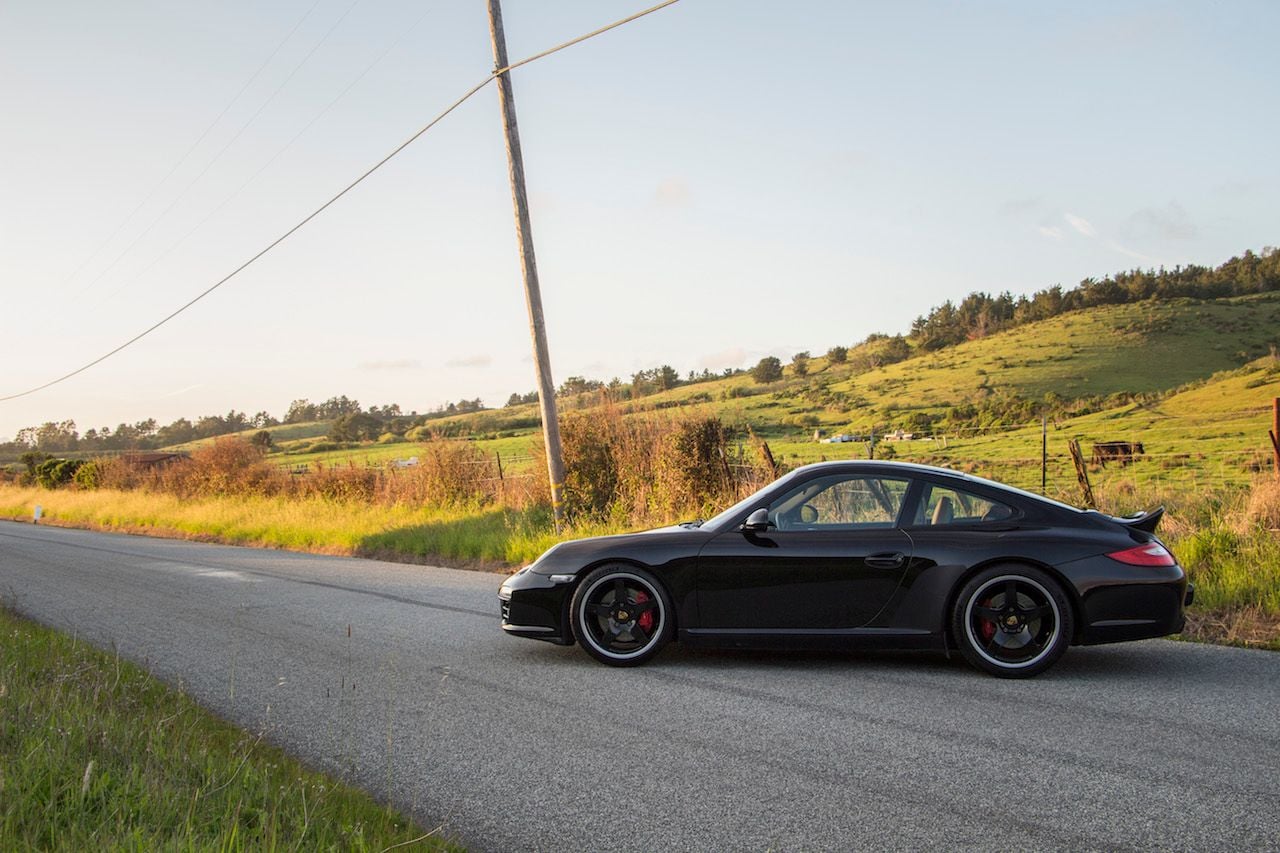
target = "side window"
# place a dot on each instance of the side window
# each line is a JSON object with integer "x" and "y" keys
{"x": 941, "y": 505}
{"x": 840, "y": 503}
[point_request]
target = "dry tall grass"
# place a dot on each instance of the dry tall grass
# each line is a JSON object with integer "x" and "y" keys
{"x": 623, "y": 470}
{"x": 1262, "y": 508}
{"x": 449, "y": 473}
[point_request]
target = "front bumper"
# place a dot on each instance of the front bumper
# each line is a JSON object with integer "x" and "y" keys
{"x": 537, "y": 606}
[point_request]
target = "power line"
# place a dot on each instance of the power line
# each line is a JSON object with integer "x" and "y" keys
{"x": 399, "y": 38}
{"x": 194, "y": 145}
{"x": 222, "y": 150}
{"x": 375, "y": 167}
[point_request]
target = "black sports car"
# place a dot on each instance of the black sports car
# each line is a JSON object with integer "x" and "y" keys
{"x": 881, "y": 554}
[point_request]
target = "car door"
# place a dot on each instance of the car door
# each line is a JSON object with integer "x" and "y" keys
{"x": 832, "y": 558}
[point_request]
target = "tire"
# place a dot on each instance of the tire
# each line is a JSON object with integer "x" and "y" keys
{"x": 627, "y": 633}
{"x": 1012, "y": 621}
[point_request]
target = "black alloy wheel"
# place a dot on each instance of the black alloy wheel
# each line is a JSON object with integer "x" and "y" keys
{"x": 621, "y": 615}
{"x": 1012, "y": 621}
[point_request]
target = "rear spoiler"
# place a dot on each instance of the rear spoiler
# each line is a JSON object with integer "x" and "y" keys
{"x": 1144, "y": 521}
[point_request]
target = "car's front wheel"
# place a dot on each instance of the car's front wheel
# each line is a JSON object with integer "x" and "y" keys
{"x": 621, "y": 615}
{"x": 1012, "y": 621}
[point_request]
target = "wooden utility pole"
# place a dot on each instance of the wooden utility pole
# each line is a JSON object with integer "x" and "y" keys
{"x": 532, "y": 293}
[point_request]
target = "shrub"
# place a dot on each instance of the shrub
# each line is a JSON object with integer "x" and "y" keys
{"x": 227, "y": 466}
{"x": 447, "y": 473}
{"x": 646, "y": 469}
{"x": 768, "y": 369}
{"x": 838, "y": 355}
{"x": 88, "y": 476}
{"x": 53, "y": 473}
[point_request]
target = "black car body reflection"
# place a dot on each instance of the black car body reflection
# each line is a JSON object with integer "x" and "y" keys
{"x": 844, "y": 554}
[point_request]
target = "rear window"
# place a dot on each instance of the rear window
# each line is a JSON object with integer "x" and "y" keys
{"x": 944, "y": 505}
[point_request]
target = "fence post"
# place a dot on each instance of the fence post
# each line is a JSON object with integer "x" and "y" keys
{"x": 1082, "y": 473}
{"x": 1275, "y": 433}
{"x": 768, "y": 458}
{"x": 724, "y": 468}
{"x": 1044, "y": 453}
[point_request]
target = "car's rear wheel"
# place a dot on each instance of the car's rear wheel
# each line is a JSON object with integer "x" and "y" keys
{"x": 621, "y": 615}
{"x": 1012, "y": 621}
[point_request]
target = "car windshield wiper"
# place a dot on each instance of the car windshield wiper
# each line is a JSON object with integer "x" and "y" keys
{"x": 697, "y": 522}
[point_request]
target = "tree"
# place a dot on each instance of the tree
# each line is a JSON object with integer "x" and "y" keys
{"x": 355, "y": 427}
{"x": 575, "y": 385}
{"x": 301, "y": 411}
{"x": 838, "y": 355}
{"x": 800, "y": 363}
{"x": 261, "y": 440}
{"x": 768, "y": 369}
{"x": 517, "y": 399}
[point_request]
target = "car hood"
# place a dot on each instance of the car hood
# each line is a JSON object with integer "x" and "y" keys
{"x": 576, "y": 551}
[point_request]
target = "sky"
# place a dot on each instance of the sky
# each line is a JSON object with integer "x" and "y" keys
{"x": 716, "y": 182}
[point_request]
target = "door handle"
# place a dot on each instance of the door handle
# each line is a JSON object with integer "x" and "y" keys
{"x": 886, "y": 561}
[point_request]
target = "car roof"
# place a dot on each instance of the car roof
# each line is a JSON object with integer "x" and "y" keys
{"x": 916, "y": 468}
{"x": 905, "y": 467}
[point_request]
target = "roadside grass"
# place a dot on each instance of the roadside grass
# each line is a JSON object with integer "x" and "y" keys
{"x": 468, "y": 536}
{"x": 96, "y": 754}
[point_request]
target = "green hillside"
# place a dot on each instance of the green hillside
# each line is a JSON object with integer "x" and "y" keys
{"x": 1175, "y": 375}
{"x": 1093, "y": 353}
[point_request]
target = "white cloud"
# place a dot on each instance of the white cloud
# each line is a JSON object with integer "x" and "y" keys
{"x": 1080, "y": 224}
{"x": 470, "y": 361}
{"x": 1053, "y": 232}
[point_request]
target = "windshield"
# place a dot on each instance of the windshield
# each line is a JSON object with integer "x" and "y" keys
{"x": 747, "y": 504}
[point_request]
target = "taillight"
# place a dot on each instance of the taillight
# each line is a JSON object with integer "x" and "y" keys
{"x": 1151, "y": 554}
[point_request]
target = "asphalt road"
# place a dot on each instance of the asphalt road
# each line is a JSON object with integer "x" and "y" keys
{"x": 399, "y": 679}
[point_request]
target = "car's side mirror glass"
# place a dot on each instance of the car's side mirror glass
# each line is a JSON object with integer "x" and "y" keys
{"x": 758, "y": 521}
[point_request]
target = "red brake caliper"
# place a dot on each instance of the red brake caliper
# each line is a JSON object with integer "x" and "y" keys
{"x": 646, "y": 618}
{"x": 985, "y": 626}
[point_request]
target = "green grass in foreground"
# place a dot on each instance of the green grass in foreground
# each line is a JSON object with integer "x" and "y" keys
{"x": 95, "y": 754}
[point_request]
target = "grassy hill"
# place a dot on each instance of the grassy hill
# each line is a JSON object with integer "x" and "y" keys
{"x": 1108, "y": 373}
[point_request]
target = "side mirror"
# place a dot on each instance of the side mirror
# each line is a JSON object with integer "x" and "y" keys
{"x": 758, "y": 522}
